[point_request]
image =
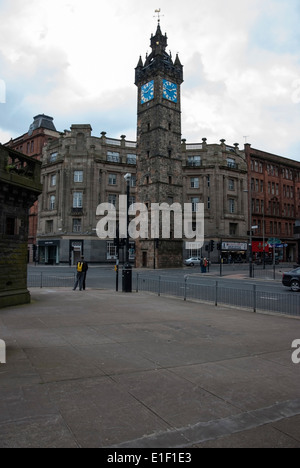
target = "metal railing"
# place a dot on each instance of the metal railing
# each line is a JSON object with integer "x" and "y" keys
{"x": 43, "y": 280}
{"x": 249, "y": 297}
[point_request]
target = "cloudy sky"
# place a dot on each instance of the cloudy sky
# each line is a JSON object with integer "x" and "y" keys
{"x": 75, "y": 60}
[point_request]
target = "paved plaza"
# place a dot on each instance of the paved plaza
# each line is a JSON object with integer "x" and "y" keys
{"x": 101, "y": 369}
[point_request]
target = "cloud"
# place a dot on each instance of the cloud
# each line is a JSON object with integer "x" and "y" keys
{"x": 75, "y": 61}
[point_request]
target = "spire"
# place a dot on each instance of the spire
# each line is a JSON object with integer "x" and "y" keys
{"x": 140, "y": 63}
{"x": 159, "y": 59}
{"x": 159, "y": 42}
{"x": 177, "y": 62}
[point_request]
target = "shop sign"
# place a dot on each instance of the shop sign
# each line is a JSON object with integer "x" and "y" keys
{"x": 235, "y": 246}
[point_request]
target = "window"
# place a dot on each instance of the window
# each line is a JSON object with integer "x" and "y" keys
{"x": 78, "y": 176}
{"x": 231, "y": 206}
{"x": 208, "y": 203}
{"x": 112, "y": 199}
{"x": 49, "y": 227}
{"x": 52, "y": 203}
{"x": 77, "y": 200}
{"x": 113, "y": 157}
{"x": 194, "y": 182}
{"x": 53, "y": 180}
{"x": 195, "y": 202}
{"x": 131, "y": 159}
{"x": 111, "y": 250}
{"x": 133, "y": 181}
{"x": 194, "y": 161}
{"x": 10, "y": 226}
{"x": 76, "y": 225}
{"x": 231, "y": 163}
{"x": 208, "y": 181}
{"x": 112, "y": 179}
{"x": 231, "y": 184}
{"x": 257, "y": 207}
{"x": 132, "y": 201}
{"x": 53, "y": 157}
{"x": 233, "y": 229}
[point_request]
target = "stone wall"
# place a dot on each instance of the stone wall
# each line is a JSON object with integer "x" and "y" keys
{"x": 19, "y": 189}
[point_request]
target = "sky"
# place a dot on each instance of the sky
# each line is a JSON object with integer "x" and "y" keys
{"x": 74, "y": 60}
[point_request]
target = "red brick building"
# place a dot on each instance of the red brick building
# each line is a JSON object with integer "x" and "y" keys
{"x": 274, "y": 196}
{"x": 31, "y": 144}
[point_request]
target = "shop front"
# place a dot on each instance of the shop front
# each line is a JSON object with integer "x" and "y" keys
{"x": 48, "y": 253}
{"x": 234, "y": 252}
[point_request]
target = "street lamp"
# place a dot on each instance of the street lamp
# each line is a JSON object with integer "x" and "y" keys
{"x": 127, "y": 270}
{"x": 251, "y": 231}
{"x": 127, "y": 177}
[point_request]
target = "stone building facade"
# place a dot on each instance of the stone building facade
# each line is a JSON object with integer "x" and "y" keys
{"x": 274, "y": 194}
{"x": 31, "y": 144}
{"x": 19, "y": 189}
{"x": 216, "y": 175}
{"x": 80, "y": 172}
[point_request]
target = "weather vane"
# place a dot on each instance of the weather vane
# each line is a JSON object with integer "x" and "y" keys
{"x": 158, "y": 15}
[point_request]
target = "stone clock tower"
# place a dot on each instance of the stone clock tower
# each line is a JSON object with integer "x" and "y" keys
{"x": 159, "y": 164}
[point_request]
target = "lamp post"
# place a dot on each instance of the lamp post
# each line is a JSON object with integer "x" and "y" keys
{"x": 127, "y": 177}
{"x": 250, "y": 231}
{"x": 127, "y": 270}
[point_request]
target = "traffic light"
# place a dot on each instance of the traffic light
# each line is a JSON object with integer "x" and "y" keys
{"x": 219, "y": 246}
{"x": 212, "y": 245}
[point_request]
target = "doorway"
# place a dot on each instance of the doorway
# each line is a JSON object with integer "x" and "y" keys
{"x": 76, "y": 252}
{"x": 145, "y": 259}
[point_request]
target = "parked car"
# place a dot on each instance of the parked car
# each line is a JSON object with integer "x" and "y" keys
{"x": 192, "y": 261}
{"x": 291, "y": 279}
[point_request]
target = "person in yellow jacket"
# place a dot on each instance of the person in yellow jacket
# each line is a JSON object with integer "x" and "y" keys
{"x": 82, "y": 268}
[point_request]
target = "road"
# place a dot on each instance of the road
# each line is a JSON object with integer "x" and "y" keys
{"x": 234, "y": 288}
{"x": 235, "y": 276}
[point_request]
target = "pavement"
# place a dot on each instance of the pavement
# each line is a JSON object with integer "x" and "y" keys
{"x": 104, "y": 369}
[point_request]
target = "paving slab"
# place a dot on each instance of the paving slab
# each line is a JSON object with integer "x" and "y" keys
{"x": 101, "y": 369}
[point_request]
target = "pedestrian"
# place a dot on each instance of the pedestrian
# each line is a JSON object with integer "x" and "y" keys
{"x": 85, "y": 270}
{"x": 82, "y": 268}
{"x": 205, "y": 265}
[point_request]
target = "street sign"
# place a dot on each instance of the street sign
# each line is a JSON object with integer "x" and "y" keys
{"x": 274, "y": 240}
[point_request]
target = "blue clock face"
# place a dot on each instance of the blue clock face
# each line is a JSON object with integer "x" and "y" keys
{"x": 147, "y": 92}
{"x": 170, "y": 91}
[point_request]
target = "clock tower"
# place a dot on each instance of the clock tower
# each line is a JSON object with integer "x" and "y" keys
{"x": 159, "y": 163}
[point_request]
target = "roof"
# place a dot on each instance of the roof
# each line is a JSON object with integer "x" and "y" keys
{"x": 42, "y": 121}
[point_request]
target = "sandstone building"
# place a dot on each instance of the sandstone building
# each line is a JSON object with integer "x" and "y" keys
{"x": 31, "y": 144}
{"x": 19, "y": 189}
{"x": 81, "y": 171}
